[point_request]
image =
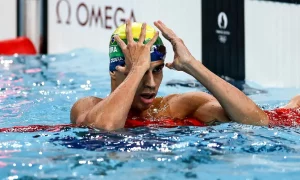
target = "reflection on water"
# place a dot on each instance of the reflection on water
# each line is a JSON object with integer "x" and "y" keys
{"x": 41, "y": 90}
{"x": 241, "y": 85}
{"x": 182, "y": 152}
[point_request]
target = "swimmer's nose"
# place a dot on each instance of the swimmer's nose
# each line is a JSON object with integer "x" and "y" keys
{"x": 149, "y": 80}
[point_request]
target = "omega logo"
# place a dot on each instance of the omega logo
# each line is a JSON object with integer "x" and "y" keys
{"x": 58, "y": 12}
{"x": 105, "y": 17}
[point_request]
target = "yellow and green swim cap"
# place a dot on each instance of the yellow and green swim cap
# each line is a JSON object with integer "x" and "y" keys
{"x": 116, "y": 56}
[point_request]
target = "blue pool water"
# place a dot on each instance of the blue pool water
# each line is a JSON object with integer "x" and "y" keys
{"x": 41, "y": 90}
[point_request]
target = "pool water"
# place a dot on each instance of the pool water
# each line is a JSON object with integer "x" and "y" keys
{"x": 40, "y": 90}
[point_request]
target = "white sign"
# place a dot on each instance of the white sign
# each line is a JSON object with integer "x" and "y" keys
{"x": 89, "y": 24}
{"x": 8, "y": 19}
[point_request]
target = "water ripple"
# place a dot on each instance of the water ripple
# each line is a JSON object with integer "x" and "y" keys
{"x": 42, "y": 89}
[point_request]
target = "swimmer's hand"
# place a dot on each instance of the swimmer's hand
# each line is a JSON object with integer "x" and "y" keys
{"x": 137, "y": 54}
{"x": 182, "y": 55}
{"x": 229, "y": 97}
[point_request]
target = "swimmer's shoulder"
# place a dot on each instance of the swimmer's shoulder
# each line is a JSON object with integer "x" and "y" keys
{"x": 82, "y": 107}
{"x": 190, "y": 97}
{"x": 199, "y": 105}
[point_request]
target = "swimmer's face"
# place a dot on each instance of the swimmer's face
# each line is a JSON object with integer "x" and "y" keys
{"x": 148, "y": 87}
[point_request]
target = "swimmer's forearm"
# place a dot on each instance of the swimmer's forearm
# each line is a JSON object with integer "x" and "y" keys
{"x": 236, "y": 104}
{"x": 111, "y": 113}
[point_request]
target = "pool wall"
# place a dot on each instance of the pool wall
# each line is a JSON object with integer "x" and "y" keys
{"x": 253, "y": 40}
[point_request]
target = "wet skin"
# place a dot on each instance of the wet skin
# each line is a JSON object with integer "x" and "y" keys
{"x": 146, "y": 105}
{"x": 135, "y": 86}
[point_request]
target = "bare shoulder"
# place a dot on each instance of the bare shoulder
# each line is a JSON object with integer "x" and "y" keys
{"x": 182, "y": 105}
{"x": 294, "y": 102}
{"x": 82, "y": 107}
{"x": 190, "y": 98}
{"x": 199, "y": 105}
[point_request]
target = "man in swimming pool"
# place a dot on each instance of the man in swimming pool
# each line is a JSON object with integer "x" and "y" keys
{"x": 135, "y": 83}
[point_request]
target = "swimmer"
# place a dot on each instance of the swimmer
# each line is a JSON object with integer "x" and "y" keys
{"x": 136, "y": 69}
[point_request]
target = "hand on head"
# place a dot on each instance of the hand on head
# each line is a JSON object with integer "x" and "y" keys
{"x": 182, "y": 55}
{"x": 137, "y": 54}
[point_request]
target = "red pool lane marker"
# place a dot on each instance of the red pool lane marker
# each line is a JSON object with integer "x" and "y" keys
{"x": 36, "y": 128}
{"x": 130, "y": 123}
{"x": 278, "y": 117}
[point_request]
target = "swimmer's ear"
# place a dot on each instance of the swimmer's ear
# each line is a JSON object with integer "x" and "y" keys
{"x": 112, "y": 74}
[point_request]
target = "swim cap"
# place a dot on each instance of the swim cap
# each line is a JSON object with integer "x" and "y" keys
{"x": 116, "y": 56}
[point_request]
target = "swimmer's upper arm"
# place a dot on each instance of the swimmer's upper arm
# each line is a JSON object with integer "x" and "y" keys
{"x": 81, "y": 108}
{"x": 199, "y": 105}
{"x": 211, "y": 112}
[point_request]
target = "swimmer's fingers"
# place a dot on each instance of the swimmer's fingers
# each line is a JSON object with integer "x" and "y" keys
{"x": 120, "y": 42}
{"x": 121, "y": 69}
{"x": 166, "y": 32}
{"x": 129, "y": 32}
{"x": 170, "y": 65}
{"x": 143, "y": 34}
{"x": 152, "y": 41}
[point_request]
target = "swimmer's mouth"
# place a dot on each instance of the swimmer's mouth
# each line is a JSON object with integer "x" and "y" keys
{"x": 147, "y": 98}
{"x": 148, "y": 95}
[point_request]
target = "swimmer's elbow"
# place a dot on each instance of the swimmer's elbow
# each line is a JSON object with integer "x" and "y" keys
{"x": 255, "y": 118}
{"x": 258, "y": 117}
{"x": 106, "y": 126}
{"x": 104, "y": 123}
{"x": 74, "y": 114}
{"x": 76, "y": 117}
{"x": 264, "y": 119}
{"x": 109, "y": 127}
{"x": 81, "y": 108}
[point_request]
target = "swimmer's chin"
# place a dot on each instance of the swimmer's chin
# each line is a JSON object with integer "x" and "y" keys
{"x": 141, "y": 106}
{"x": 143, "y": 101}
